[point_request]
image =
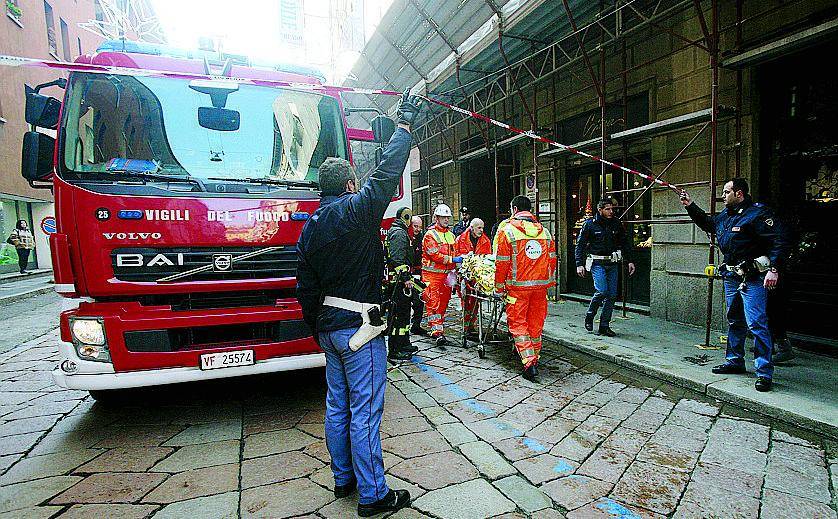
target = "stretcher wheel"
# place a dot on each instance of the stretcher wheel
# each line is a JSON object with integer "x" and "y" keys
{"x": 481, "y": 351}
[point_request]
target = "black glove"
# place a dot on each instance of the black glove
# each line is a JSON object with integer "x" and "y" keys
{"x": 409, "y": 108}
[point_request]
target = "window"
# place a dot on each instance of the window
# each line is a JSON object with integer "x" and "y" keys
{"x": 50, "y": 21}
{"x": 65, "y": 39}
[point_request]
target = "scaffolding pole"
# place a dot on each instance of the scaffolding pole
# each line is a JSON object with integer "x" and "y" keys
{"x": 713, "y": 44}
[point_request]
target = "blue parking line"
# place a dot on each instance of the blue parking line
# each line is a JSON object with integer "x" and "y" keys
{"x": 476, "y": 406}
{"x": 615, "y": 509}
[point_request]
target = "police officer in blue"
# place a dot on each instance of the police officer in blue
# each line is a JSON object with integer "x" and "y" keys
{"x": 601, "y": 245}
{"x": 754, "y": 248}
{"x": 339, "y": 274}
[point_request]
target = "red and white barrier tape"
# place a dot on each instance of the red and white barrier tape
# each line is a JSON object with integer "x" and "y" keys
{"x": 549, "y": 142}
{"x": 90, "y": 68}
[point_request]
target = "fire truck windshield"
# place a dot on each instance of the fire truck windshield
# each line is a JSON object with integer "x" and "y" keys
{"x": 115, "y": 124}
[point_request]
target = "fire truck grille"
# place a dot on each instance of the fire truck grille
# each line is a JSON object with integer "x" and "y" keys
{"x": 182, "y": 264}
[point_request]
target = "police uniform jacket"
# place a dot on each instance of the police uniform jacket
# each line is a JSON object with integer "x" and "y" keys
{"x": 744, "y": 232}
{"x": 339, "y": 252}
{"x": 460, "y": 227}
{"x": 601, "y": 236}
{"x": 399, "y": 248}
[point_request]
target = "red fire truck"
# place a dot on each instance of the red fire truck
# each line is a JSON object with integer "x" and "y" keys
{"x": 179, "y": 202}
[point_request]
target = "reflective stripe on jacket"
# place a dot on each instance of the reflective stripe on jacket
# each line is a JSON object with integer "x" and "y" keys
{"x": 464, "y": 246}
{"x": 438, "y": 250}
{"x": 526, "y": 254}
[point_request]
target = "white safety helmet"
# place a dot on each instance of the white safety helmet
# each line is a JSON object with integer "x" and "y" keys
{"x": 442, "y": 210}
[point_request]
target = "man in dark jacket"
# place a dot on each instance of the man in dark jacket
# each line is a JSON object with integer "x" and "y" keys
{"x": 601, "y": 245}
{"x": 400, "y": 287}
{"x": 339, "y": 273}
{"x": 750, "y": 239}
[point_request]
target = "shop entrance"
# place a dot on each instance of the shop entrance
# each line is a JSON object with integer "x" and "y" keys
{"x": 799, "y": 180}
{"x": 584, "y": 191}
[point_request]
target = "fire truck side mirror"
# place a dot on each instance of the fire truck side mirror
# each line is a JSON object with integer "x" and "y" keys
{"x": 36, "y": 158}
{"x": 382, "y": 129}
{"x": 41, "y": 110}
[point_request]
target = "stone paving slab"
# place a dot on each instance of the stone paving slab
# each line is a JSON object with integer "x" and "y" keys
{"x": 26, "y": 495}
{"x": 272, "y": 501}
{"x": 196, "y": 483}
{"x": 488, "y": 462}
{"x": 277, "y": 468}
{"x": 475, "y": 499}
{"x": 221, "y": 506}
{"x": 57, "y": 464}
{"x": 200, "y": 456}
{"x": 110, "y": 511}
{"x": 111, "y": 487}
{"x": 525, "y": 495}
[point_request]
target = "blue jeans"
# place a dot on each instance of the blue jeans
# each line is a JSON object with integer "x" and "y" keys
{"x": 746, "y": 309}
{"x": 605, "y": 284}
{"x": 354, "y": 405}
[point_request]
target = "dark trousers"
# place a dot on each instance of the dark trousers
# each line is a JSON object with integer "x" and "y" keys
{"x": 418, "y": 308}
{"x": 22, "y": 259}
{"x": 778, "y": 310}
{"x": 399, "y": 337}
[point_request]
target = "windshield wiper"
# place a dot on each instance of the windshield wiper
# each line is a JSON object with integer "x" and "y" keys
{"x": 158, "y": 177}
{"x": 270, "y": 181}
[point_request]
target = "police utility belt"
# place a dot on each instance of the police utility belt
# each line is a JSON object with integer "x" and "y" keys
{"x": 373, "y": 325}
{"x": 614, "y": 257}
{"x": 747, "y": 268}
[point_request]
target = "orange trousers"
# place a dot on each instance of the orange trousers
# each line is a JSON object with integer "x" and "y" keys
{"x": 525, "y": 318}
{"x": 436, "y": 296}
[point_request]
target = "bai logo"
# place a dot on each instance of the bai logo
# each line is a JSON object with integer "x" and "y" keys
{"x": 132, "y": 236}
{"x": 138, "y": 260}
{"x": 533, "y": 250}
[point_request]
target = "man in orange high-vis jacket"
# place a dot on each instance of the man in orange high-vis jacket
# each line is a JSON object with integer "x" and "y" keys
{"x": 525, "y": 267}
{"x": 474, "y": 240}
{"x": 438, "y": 259}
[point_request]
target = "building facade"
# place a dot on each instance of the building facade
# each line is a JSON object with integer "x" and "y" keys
{"x": 699, "y": 96}
{"x": 35, "y": 29}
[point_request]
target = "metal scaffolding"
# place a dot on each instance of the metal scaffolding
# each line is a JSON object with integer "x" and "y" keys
{"x": 607, "y": 31}
{"x": 589, "y": 31}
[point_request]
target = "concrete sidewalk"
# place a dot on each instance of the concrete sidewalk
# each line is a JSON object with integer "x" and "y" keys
{"x": 804, "y": 389}
{"x": 14, "y": 286}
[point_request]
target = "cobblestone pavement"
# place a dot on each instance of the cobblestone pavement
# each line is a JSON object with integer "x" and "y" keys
{"x": 467, "y": 436}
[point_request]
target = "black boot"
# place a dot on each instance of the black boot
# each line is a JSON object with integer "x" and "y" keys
{"x": 442, "y": 342}
{"x": 607, "y": 332}
{"x": 763, "y": 384}
{"x": 342, "y": 491}
{"x": 418, "y": 330}
{"x": 530, "y": 373}
{"x": 394, "y": 500}
{"x": 589, "y": 322}
{"x": 783, "y": 351}
{"x": 729, "y": 369}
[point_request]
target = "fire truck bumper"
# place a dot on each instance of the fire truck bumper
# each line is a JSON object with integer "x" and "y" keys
{"x": 75, "y": 373}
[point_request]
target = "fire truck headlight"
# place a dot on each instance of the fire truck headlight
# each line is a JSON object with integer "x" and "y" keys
{"x": 89, "y": 331}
